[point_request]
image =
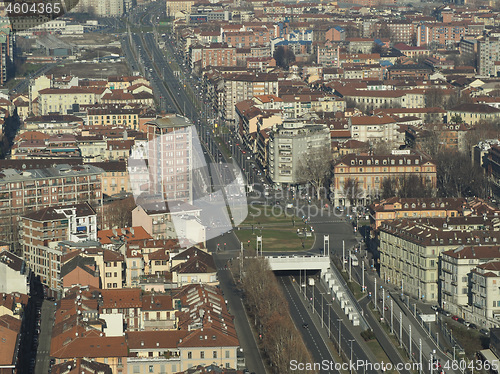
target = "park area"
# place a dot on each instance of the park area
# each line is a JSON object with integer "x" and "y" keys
{"x": 278, "y": 227}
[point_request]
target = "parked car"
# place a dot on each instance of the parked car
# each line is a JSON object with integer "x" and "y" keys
{"x": 461, "y": 320}
{"x": 446, "y": 313}
{"x": 473, "y": 326}
{"x": 485, "y": 332}
{"x": 435, "y": 307}
{"x": 455, "y": 318}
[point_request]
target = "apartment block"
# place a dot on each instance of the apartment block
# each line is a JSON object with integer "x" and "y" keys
{"x": 53, "y": 224}
{"x": 52, "y": 124}
{"x": 218, "y": 55}
{"x": 459, "y": 288}
{"x": 485, "y": 295}
{"x": 171, "y": 153}
{"x": 489, "y": 56}
{"x": 239, "y": 87}
{"x": 106, "y": 8}
{"x": 49, "y": 184}
{"x": 114, "y": 116}
{"x": 410, "y": 249}
{"x": 288, "y": 144}
{"x": 441, "y": 34}
{"x": 370, "y": 171}
{"x": 474, "y": 113}
{"x": 400, "y": 208}
{"x": 6, "y": 50}
{"x": 64, "y": 100}
{"x": 115, "y": 178}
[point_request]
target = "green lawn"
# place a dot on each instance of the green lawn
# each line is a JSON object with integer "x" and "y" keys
{"x": 278, "y": 231}
{"x": 274, "y": 240}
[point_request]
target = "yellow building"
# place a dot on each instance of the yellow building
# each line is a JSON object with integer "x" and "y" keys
{"x": 115, "y": 178}
{"x": 179, "y": 6}
{"x": 114, "y": 117}
{"x": 473, "y": 113}
{"x": 61, "y": 100}
{"x": 395, "y": 208}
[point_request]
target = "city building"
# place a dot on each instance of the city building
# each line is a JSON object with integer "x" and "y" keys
{"x": 462, "y": 270}
{"x": 171, "y": 152}
{"x": 114, "y": 116}
{"x": 239, "y": 87}
{"x": 74, "y": 223}
{"x": 370, "y": 171}
{"x": 398, "y": 208}
{"x": 41, "y": 184}
{"x": 288, "y": 145}
{"x": 410, "y": 249}
{"x": 6, "y": 50}
{"x": 488, "y": 56}
{"x": 473, "y": 113}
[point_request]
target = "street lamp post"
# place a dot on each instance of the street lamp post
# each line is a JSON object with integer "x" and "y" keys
{"x": 351, "y": 340}
{"x": 329, "y": 305}
{"x": 420, "y": 354}
{"x": 322, "y": 298}
{"x": 340, "y": 328}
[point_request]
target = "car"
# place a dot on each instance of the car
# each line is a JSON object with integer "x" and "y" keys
{"x": 466, "y": 323}
{"x": 485, "y": 332}
{"x": 473, "y": 326}
{"x": 305, "y": 325}
{"x": 461, "y": 320}
{"x": 445, "y": 312}
{"x": 455, "y": 318}
{"x": 435, "y": 307}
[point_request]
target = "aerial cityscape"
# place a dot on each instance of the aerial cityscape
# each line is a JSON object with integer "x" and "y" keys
{"x": 249, "y": 187}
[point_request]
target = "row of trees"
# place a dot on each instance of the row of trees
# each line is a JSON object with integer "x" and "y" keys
{"x": 280, "y": 338}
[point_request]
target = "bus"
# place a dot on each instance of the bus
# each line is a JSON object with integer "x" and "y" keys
{"x": 354, "y": 260}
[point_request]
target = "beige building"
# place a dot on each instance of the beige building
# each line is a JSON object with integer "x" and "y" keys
{"x": 61, "y": 100}
{"x": 370, "y": 172}
{"x": 115, "y": 178}
{"x": 239, "y": 87}
{"x": 473, "y": 113}
{"x": 380, "y": 128}
{"x": 194, "y": 266}
{"x": 114, "y": 117}
{"x": 457, "y": 270}
{"x": 485, "y": 294}
{"x": 410, "y": 249}
{"x": 175, "y": 6}
{"x": 101, "y": 8}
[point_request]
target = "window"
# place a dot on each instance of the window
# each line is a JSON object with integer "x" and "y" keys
{"x": 190, "y": 355}
{"x": 151, "y": 369}
{"x": 214, "y": 354}
{"x": 202, "y": 354}
{"x": 227, "y": 354}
